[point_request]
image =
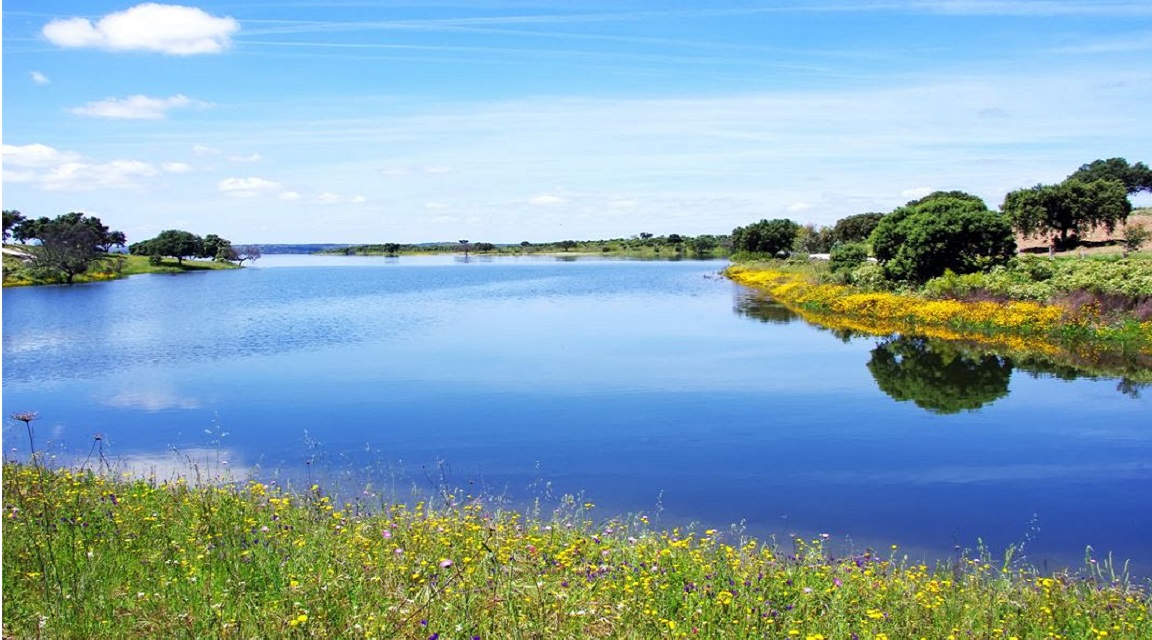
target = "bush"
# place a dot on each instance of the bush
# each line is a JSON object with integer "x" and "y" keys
{"x": 846, "y": 257}
{"x": 943, "y": 231}
{"x": 869, "y": 277}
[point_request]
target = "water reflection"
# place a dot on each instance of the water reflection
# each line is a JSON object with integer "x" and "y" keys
{"x": 937, "y": 376}
{"x": 947, "y": 376}
{"x": 762, "y": 308}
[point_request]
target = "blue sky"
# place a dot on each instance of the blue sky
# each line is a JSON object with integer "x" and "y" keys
{"x": 511, "y": 120}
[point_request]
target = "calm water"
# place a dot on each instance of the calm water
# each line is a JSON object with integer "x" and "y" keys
{"x": 649, "y": 387}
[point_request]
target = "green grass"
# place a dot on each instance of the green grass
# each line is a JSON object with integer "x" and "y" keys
{"x": 108, "y": 267}
{"x": 100, "y": 555}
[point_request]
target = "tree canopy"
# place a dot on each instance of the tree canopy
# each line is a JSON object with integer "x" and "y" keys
{"x": 26, "y": 229}
{"x": 1135, "y": 177}
{"x": 855, "y": 228}
{"x": 12, "y": 218}
{"x": 767, "y": 236}
{"x": 946, "y": 230}
{"x": 174, "y": 243}
{"x": 1067, "y": 209}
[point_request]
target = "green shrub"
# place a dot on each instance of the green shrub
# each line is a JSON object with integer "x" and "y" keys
{"x": 848, "y": 256}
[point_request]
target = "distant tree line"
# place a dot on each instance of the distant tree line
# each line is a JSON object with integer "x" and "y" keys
{"x": 672, "y": 245}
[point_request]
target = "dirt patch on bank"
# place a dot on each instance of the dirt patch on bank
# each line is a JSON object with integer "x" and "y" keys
{"x": 1097, "y": 241}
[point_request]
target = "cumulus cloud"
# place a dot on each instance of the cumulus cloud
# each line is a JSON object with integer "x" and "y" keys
{"x": 799, "y": 206}
{"x": 138, "y": 107}
{"x": 176, "y": 167}
{"x": 40, "y": 78}
{"x": 163, "y": 28}
{"x": 35, "y": 155}
{"x": 289, "y": 196}
{"x": 202, "y": 150}
{"x": 53, "y": 170}
{"x": 255, "y": 157}
{"x": 328, "y": 198}
{"x": 358, "y": 199}
{"x": 249, "y": 187}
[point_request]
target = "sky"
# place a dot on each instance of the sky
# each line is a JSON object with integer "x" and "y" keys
{"x": 349, "y": 121}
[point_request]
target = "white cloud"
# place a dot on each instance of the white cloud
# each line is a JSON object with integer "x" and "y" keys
{"x": 547, "y": 200}
{"x": 170, "y": 29}
{"x": 255, "y": 157}
{"x": 799, "y": 206}
{"x": 328, "y": 198}
{"x": 358, "y": 199}
{"x": 249, "y": 187}
{"x": 82, "y": 176}
{"x": 176, "y": 167}
{"x": 289, "y": 196}
{"x": 52, "y": 170}
{"x": 437, "y": 170}
{"x": 202, "y": 150}
{"x": 138, "y": 107}
{"x": 40, "y": 78}
{"x": 35, "y": 155}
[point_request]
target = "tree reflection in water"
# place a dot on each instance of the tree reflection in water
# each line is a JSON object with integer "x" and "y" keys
{"x": 944, "y": 376}
{"x": 937, "y": 376}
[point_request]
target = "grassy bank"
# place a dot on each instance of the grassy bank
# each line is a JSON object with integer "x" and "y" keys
{"x": 88, "y": 555}
{"x": 18, "y": 273}
{"x": 1083, "y": 331}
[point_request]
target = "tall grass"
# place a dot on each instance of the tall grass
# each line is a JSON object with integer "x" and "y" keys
{"x": 90, "y": 554}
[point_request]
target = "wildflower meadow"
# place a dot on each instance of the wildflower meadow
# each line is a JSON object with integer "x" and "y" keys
{"x": 95, "y": 554}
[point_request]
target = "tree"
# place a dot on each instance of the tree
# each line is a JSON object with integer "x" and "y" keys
{"x": 703, "y": 245}
{"x": 1135, "y": 177}
{"x": 112, "y": 239}
{"x": 567, "y": 244}
{"x": 67, "y": 247}
{"x": 216, "y": 248}
{"x": 1067, "y": 209}
{"x": 252, "y": 252}
{"x": 11, "y": 219}
{"x": 33, "y": 229}
{"x": 767, "y": 236}
{"x": 172, "y": 242}
{"x": 813, "y": 239}
{"x": 855, "y": 228}
{"x": 27, "y": 229}
{"x": 942, "y": 231}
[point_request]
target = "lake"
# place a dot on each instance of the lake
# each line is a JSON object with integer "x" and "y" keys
{"x": 644, "y": 386}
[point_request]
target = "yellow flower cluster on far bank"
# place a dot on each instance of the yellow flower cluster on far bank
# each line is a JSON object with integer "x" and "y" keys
{"x": 1017, "y": 325}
